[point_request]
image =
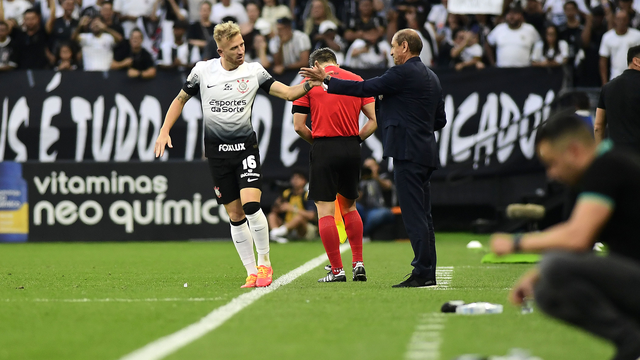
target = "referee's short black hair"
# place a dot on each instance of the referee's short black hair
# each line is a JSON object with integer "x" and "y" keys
{"x": 323, "y": 56}
{"x": 634, "y": 52}
{"x": 563, "y": 125}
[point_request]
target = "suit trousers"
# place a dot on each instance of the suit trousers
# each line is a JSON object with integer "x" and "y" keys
{"x": 599, "y": 294}
{"x": 414, "y": 196}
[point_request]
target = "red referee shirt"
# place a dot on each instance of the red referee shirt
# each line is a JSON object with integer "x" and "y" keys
{"x": 333, "y": 115}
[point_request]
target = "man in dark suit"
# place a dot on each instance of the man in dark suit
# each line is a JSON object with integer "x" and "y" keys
{"x": 411, "y": 110}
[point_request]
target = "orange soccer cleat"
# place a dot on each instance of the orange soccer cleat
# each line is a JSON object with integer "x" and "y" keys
{"x": 265, "y": 275}
{"x": 250, "y": 282}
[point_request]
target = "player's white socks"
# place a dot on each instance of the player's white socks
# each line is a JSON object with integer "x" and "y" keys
{"x": 242, "y": 239}
{"x": 260, "y": 230}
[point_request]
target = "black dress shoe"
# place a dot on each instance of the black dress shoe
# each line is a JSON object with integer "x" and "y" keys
{"x": 415, "y": 282}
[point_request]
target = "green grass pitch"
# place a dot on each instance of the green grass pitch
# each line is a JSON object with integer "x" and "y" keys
{"x": 43, "y": 316}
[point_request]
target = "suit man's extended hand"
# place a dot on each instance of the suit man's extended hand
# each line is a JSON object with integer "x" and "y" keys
{"x": 316, "y": 73}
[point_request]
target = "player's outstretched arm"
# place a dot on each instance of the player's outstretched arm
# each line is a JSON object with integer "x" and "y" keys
{"x": 291, "y": 93}
{"x": 172, "y": 116}
{"x": 370, "y": 127}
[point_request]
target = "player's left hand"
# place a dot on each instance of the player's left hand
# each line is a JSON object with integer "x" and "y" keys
{"x": 316, "y": 73}
{"x": 502, "y": 244}
{"x": 162, "y": 141}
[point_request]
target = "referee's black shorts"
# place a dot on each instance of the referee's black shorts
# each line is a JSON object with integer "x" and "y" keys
{"x": 334, "y": 168}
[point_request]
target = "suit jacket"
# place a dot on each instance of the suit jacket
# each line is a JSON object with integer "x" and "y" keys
{"x": 411, "y": 109}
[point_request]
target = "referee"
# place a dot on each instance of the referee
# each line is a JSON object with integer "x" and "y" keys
{"x": 335, "y": 161}
{"x": 411, "y": 110}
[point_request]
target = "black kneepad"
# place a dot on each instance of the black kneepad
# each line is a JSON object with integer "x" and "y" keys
{"x": 251, "y": 208}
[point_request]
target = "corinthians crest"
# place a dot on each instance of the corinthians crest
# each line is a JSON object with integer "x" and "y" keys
{"x": 243, "y": 86}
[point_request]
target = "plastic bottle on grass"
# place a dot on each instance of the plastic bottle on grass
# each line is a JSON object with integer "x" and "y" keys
{"x": 478, "y": 308}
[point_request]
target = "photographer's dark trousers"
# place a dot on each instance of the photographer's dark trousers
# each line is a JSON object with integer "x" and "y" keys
{"x": 414, "y": 196}
{"x": 598, "y": 294}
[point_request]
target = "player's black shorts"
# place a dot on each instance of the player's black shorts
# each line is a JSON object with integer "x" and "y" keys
{"x": 334, "y": 164}
{"x": 234, "y": 173}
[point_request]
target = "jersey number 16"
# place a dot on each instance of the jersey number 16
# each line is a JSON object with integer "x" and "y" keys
{"x": 249, "y": 162}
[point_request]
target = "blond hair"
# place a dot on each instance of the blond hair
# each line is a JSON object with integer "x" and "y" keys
{"x": 328, "y": 15}
{"x": 225, "y": 31}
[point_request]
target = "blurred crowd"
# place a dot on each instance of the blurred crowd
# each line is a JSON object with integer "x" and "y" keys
{"x": 589, "y": 38}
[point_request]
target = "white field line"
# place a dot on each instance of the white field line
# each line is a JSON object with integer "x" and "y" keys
{"x": 171, "y": 343}
{"x": 427, "y": 338}
{"x": 443, "y": 276}
{"x": 85, "y": 300}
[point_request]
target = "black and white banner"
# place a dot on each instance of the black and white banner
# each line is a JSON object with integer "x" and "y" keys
{"x": 87, "y": 141}
{"x": 101, "y": 117}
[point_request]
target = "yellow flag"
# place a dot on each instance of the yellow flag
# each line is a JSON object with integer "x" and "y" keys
{"x": 340, "y": 223}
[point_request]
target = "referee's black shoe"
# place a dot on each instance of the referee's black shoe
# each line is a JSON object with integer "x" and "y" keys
{"x": 359, "y": 274}
{"x": 415, "y": 282}
{"x": 331, "y": 277}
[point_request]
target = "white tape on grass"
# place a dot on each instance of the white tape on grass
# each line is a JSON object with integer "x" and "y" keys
{"x": 427, "y": 338}
{"x": 171, "y": 343}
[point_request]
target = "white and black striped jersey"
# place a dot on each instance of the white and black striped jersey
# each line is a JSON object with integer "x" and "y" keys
{"x": 227, "y": 99}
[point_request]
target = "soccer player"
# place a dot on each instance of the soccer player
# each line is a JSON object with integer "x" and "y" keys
{"x": 227, "y": 88}
{"x": 335, "y": 161}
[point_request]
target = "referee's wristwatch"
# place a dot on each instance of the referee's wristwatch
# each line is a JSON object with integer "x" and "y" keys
{"x": 326, "y": 80}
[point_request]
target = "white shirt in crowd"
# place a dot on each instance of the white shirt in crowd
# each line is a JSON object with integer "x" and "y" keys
{"x": 538, "y": 49}
{"x": 427, "y": 54}
{"x": 471, "y": 52}
{"x": 194, "y": 10}
{"x": 88, "y": 3}
{"x": 273, "y": 13}
{"x": 615, "y": 47}
{"x": 135, "y": 8}
{"x": 438, "y": 15}
{"x": 185, "y": 53}
{"x": 556, "y": 10}
{"x": 513, "y": 46}
{"x": 97, "y": 51}
{"x": 15, "y": 9}
{"x": 235, "y": 9}
{"x": 291, "y": 50}
{"x": 370, "y": 59}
